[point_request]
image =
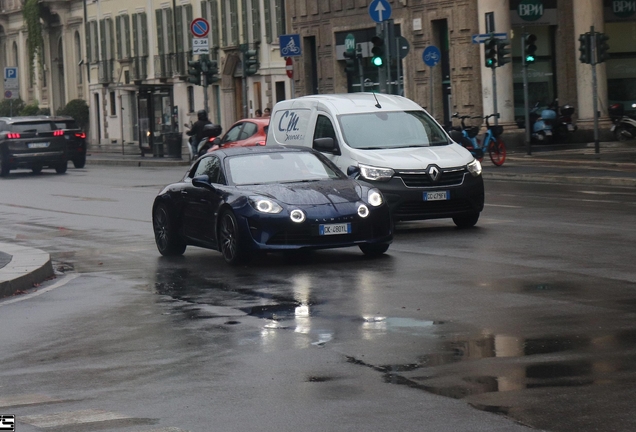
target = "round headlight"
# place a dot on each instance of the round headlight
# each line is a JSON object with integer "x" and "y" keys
{"x": 363, "y": 211}
{"x": 265, "y": 205}
{"x": 297, "y": 216}
{"x": 375, "y": 198}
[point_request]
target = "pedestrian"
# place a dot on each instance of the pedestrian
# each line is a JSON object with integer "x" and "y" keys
{"x": 258, "y": 113}
{"x": 196, "y": 131}
{"x": 267, "y": 112}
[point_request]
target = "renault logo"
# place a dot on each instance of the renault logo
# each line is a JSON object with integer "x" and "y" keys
{"x": 434, "y": 173}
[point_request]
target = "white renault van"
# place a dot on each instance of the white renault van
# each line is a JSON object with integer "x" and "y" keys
{"x": 392, "y": 143}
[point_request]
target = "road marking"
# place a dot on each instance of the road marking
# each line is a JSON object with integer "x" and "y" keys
{"x": 71, "y": 418}
{"x": 24, "y": 400}
{"x": 61, "y": 282}
{"x": 503, "y": 205}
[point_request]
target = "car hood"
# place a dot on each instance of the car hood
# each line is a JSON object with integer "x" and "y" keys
{"x": 310, "y": 193}
{"x": 445, "y": 156}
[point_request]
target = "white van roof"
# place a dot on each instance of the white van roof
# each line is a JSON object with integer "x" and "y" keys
{"x": 351, "y": 103}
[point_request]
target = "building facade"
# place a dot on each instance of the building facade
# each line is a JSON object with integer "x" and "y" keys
{"x": 129, "y": 58}
{"x": 461, "y": 82}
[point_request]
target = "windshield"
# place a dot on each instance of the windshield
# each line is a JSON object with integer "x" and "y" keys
{"x": 283, "y": 167}
{"x": 396, "y": 129}
{"x": 31, "y": 127}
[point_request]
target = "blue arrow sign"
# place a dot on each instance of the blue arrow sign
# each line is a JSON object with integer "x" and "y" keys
{"x": 380, "y": 10}
{"x": 431, "y": 55}
{"x": 481, "y": 38}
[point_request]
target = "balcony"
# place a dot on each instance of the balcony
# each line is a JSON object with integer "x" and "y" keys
{"x": 138, "y": 68}
{"x": 106, "y": 71}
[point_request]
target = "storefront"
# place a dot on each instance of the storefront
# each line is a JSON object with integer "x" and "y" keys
{"x": 620, "y": 26}
{"x": 158, "y": 121}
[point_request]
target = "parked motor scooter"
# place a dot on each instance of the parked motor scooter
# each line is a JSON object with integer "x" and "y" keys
{"x": 211, "y": 134}
{"x": 624, "y": 127}
{"x": 541, "y": 122}
{"x": 563, "y": 126}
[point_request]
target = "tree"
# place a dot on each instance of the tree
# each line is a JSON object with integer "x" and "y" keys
{"x": 78, "y": 109}
{"x": 10, "y": 107}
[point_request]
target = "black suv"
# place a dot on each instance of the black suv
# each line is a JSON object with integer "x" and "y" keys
{"x": 75, "y": 139}
{"x": 33, "y": 142}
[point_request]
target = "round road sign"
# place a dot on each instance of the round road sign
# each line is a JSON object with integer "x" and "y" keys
{"x": 8, "y": 94}
{"x": 431, "y": 55}
{"x": 289, "y": 67}
{"x": 199, "y": 27}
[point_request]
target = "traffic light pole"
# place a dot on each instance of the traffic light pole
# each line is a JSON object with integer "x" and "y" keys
{"x": 204, "y": 81}
{"x": 595, "y": 89}
{"x": 525, "y": 92}
{"x": 382, "y": 81}
{"x": 360, "y": 67}
{"x": 494, "y": 94}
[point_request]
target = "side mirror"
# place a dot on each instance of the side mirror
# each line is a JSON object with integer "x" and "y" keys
{"x": 353, "y": 172}
{"x": 202, "y": 181}
{"x": 325, "y": 145}
{"x": 456, "y": 136}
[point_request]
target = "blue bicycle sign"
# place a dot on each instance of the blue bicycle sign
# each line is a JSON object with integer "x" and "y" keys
{"x": 290, "y": 45}
{"x": 431, "y": 56}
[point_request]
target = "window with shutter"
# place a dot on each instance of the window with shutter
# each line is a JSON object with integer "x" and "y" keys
{"x": 188, "y": 21}
{"x": 89, "y": 53}
{"x": 170, "y": 25}
{"x": 256, "y": 20}
{"x": 135, "y": 35}
{"x": 245, "y": 37}
{"x": 268, "y": 21}
{"x": 233, "y": 20}
{"x": 126, "y": 35}
{"x": 144, "y": 33}
{"x": 160, "y": 46}
{"x": 224, "y": 26}
{"x": 179, "y": 29}
{"x": 120, "y": 41}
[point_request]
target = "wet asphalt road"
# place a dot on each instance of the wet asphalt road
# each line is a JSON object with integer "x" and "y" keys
{"x": 530, "y": 315}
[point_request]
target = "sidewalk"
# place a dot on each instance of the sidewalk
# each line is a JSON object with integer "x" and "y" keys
{"x": 614, "y": 165}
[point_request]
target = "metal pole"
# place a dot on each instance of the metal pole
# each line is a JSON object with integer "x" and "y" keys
{"x": 387, "y": 52}
{"x": 204, "y": 81}
{"x": 595, "y": 90}
{"x": 430, "y": 108}
{"x": 360, "y": 67}
{"x": 494, "y": 94}
{"x": 525, "y": 92}
{"x": 398, "y": 60}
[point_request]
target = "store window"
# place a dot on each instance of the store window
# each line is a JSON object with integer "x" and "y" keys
{"x": 621, "y": 66}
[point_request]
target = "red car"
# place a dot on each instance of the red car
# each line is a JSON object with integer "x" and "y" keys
{"x": 245, "y": 133}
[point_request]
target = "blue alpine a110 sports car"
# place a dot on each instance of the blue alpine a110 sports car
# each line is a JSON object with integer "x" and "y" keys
{"x": 247, "y": 199}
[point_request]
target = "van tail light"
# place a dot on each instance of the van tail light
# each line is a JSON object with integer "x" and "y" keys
{"x": 58, "y": 132}
{"x": 80, "y": 135}
{"x": 260, "y": 143}
{"x": 211, "y": 139}
{"x": 13, "y": 135}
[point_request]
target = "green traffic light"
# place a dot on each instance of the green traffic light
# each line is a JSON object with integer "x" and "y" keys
{"x": 529, "y": 59}
{"x": 490, "y": 62}
{"x": 377, "y": 61}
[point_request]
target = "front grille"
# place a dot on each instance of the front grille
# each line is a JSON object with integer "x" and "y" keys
{"x": 432, "y": 208}
{"x": 448, "y": 177}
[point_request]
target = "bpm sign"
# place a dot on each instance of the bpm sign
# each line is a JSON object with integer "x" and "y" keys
{"x": 624, "y": 8}
{"x": 530, "y": 10}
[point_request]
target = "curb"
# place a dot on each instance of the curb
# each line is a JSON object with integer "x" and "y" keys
{"x": 28, "y": 266}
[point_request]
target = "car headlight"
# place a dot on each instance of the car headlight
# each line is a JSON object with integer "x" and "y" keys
{"x": 363, "y": 211}
{"x": 265, "y": 205}
{"x": 374, "y": 197}
{"x": 374, "y": 173}
{"x": 474, "y": 168}
{"x": 297, "y": 216}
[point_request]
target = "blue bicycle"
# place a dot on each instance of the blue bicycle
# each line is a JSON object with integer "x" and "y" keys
{"x": 492, "y": 141}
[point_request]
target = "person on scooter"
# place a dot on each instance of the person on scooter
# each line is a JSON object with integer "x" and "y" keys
{"x": 196, "y": 130}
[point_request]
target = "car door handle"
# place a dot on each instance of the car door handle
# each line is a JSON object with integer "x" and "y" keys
{"x": 184, "y": 193}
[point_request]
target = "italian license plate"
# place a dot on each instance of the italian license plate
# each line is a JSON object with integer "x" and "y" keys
{"x": 333, "y": 229}
{"x": 437, "y": 196}
{"x": 38, "y": 145}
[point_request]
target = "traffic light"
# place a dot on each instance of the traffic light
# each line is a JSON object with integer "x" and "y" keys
{"x": 503, "y": 52}
{"x": 212, "y": 74}
{"x": 377, "y": 52}
{"x": 490, "y": 47}
{"x": 350, "y": 61}
{"x": 529, "y": 48}
{"x": 602, "y": 47}
{"x": 194, "y": 72}
{"x": 585, "y": 47}
{"x": 250, "y": 62}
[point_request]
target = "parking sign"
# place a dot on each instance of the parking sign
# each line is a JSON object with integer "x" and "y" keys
{"x": 11, "y": 81}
